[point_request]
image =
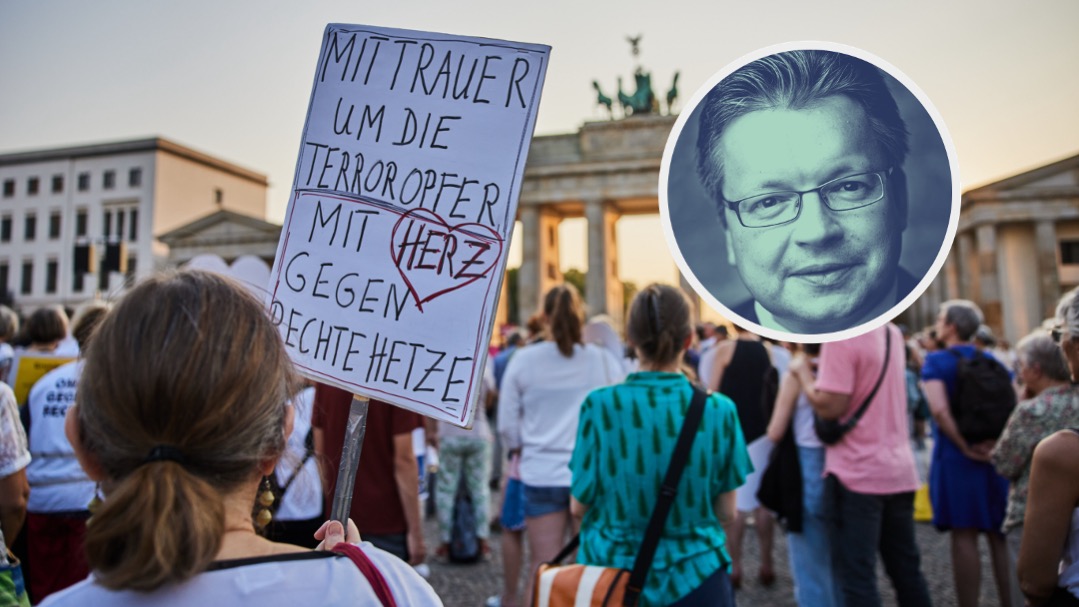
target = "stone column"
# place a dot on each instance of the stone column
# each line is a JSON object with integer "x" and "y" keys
{"x": 539, "y": 258}
{"x": 528, "y": 276}
{"x": 1045, "y": 241}
{"x": 604, "y": 289}
{"x": 951, "y": 276}
{"x": 964, "y": 262}
{"x": 989, "y": 277}
{"x": 550, "y": 271}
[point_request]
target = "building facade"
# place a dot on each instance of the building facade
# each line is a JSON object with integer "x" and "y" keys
{"x": 123, "y": 193}
{"x": 1016, "y": 250}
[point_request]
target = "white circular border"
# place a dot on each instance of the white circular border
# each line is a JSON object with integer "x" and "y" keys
{"x": 672, "y": 242}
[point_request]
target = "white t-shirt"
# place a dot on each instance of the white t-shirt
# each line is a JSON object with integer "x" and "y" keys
{"x": 540, "y": 404}
{"x": 289, "y": 580}
{"x": 705, "y": 364}
{"x": 57, "y": 482}
{"x": 481, "y": 428}
{"x": 303, "y": 500}
{"x": 14, "y": 455}
{"x": 805, "y": 435}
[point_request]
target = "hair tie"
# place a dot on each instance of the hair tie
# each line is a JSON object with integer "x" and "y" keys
{"x": 165, "y": 453}
{"x": 653, "y": 312}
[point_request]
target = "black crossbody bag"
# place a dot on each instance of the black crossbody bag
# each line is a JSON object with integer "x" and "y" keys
{"x": 831, "y": 431}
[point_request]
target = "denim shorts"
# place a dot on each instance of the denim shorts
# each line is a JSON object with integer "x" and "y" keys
{"x": 513, "y": 506}
{"x": 545, "y": 500}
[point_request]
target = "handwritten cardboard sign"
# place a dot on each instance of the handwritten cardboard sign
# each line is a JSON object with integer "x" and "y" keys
{"x": 395, "y": 239}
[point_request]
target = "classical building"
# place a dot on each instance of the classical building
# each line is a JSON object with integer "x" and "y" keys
{"x": 602, "y": 172}
{"x": 111, "y": 193}
{"x": 1016, "y": 250}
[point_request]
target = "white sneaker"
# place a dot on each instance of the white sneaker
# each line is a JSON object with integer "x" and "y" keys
{"x": 493, "y": 601}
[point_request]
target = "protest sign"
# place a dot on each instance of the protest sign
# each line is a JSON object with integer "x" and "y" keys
{"x": 28, "y": 367}
{"x": 396, "y": 234}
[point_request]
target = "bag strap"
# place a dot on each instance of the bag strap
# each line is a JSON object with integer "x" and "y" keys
{"x": 883, "y": 370}
{"x": 279, "y": 489}
{"x": 667, "y": 492}
{"x": 369, "y": 571}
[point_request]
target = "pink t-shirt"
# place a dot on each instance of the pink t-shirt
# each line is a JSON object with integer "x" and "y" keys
{"x": 875, "y": 456}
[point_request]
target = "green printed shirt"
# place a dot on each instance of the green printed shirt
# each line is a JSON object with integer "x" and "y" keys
{"x": 625, "y": 440}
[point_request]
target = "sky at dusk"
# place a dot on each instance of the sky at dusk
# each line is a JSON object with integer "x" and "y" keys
{"x": 233, "y": 78}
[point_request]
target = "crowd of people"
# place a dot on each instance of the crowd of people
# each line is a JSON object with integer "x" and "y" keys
{"x": 165, "y": 459}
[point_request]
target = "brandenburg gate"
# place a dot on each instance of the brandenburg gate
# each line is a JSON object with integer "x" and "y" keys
{"x": 603, "y": 171}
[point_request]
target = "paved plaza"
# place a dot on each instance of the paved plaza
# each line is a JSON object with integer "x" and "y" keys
{"x": 469, "y": 585}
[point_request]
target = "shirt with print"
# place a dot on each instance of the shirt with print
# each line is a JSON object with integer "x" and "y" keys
{"x": 625, "y": 441}
{"x": 1032, "y": 420}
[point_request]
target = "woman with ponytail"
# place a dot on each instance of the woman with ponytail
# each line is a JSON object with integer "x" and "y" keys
{"x": 182, "y": 409}
{"x": 625, "y": 443}
{"x": 540, "y": 399}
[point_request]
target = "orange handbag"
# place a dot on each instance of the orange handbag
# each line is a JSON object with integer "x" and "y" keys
{"x": 558, "y": 585}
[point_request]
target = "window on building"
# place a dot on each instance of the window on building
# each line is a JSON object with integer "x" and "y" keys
{"x": 33, "y": 184}
{"x": 108, "y": 224}
{"x": 78, "y": 282}
{"x": 52, "y": 273}
{"x": 57, "y": 184}
{"x": 5, "y": 276}
{"x": 219, "y": 196}
{"x": 130, "y": 268}
{"x": 9, "y": 188}
{"x": 108, "y": 180}
{"x": 84, "y": 182}
{"x": 134, "y": 177}
{"x": 27, "y": 285}
{"x": 120, "y": 224}
{"x": 133, "y": 222}
{"x": 1069, "y": 252}
{"x": 80, "y": 223}
{"x": 30, "y": 227}
{"x": 54, "y": 225}
{"x": 5, "y": 228}
{"x": 102, "y": 276}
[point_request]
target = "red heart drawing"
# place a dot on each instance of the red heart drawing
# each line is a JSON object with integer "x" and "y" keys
{"x": 435, "y": 258}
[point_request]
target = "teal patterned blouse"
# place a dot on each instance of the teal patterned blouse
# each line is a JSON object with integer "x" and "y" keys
{"x": 625, "y": 440}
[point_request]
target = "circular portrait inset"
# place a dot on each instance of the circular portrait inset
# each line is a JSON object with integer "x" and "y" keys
{"x": 809, "y": 192}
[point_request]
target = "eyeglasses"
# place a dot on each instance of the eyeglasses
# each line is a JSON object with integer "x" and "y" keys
{"x": 842, "y": 194}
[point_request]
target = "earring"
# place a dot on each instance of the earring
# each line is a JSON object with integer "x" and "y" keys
{"x": 95, "y": 504}
{"x": 265, "y": 499}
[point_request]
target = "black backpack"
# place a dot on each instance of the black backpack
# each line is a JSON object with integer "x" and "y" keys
{"x": 464, "y": 543}
{"x": 983, "y": 399}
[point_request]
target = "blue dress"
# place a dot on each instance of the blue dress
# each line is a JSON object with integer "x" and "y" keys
{"x": 965, "y": 494}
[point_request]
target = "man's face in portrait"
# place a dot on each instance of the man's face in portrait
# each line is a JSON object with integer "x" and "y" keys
{"x": 812, "y": 267}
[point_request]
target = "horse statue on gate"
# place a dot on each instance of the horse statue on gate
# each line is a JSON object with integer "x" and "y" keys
{"x": 643, "y": 100}
{"x": 602, "y": 99}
